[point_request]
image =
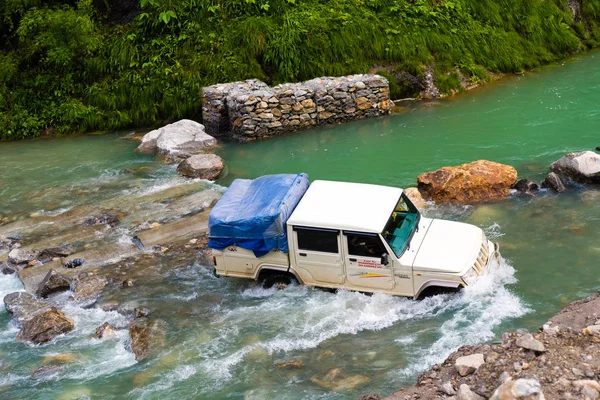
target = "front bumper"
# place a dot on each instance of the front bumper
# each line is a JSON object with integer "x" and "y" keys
{"x": 493, "y": 258}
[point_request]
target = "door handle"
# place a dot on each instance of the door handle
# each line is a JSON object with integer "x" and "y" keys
{"x": 352, "y": 259}
{"x": 302, "y": 254}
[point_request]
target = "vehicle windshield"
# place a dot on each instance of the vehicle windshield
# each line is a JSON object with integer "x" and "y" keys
{"x": 401, "y": 226}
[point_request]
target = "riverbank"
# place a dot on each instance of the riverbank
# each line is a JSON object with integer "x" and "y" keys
{"x": 113, "y": 65}
{"x": 559, "y": 361}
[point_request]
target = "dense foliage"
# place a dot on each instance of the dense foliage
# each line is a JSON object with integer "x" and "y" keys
{"x": 70, "y": 66}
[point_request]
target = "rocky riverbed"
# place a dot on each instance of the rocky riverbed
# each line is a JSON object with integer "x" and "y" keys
{"x": 559, "y": 361}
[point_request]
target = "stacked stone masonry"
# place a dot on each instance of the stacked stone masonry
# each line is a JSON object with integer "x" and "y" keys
{"x": 251, "y": 110}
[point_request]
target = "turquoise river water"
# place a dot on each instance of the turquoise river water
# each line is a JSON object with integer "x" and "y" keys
{"x": 224, "y": 336}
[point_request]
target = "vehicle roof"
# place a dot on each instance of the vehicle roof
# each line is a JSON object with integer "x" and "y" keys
{"x": 348, "y": 206}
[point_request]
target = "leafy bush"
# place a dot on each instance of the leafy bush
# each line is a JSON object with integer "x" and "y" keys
{"x": 64, "y": 68}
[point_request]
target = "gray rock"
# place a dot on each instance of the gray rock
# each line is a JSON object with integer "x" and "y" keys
{"x": 528, "y": 342}
{"x": 148, "y": 144}
{"x": 203, "y": 166}
{"x": 525, "y": 389}
{"x": 53, "y": 282}
{"x": 465, "y": 393}
{"x": 21, "y": 256}
{"x": 103, "y": 330}
{"x": 588, "y": 387}
{"x": 554, "y": 183}
{"x": 46, "y": 371}
{"x": 583, "y": 167}
{"x": 45, "y": 326}
{"x": 180, "y": 139}
{"x": 467, "y": 365}
{"x": 24, "y": 306}
{"x": 47, "y": 255}
{"x": 88, "y": 288}
{"x": 447, "y": 388}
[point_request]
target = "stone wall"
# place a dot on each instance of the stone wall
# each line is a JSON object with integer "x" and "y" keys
{"x": 254, "y": 111}
{"x": 215, "y": 115}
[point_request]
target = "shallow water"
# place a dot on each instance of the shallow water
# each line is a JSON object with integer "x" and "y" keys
{"x": 224, "y": 336}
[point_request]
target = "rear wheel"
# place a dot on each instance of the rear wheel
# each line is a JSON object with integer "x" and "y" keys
{"x": 278, "y": 280}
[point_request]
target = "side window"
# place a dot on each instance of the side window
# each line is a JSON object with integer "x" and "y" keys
{"x": 317, "y": 240}
{"x": 364, "y": 245}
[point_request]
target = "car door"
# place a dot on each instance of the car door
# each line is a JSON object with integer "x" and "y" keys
{"x": 362, "y": 257}
{"x": 318, "y": 253}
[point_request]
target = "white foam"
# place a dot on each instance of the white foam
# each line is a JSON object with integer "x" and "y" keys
{"x": 304, "y": 318}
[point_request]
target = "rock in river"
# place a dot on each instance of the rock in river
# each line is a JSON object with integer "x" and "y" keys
{"x": 203, "y": 166}
{"x": 527, "y": 186}
{"x": 583, "y": 167}
{"x": 45, "y": 326}
{"x": 468, "y": 183}
{"x": 145, "y": 335}
{"x": 554, "y": 183}
{"x": 24, "y": 306}
{"x": 53, "y": 282}
{"x": 180, "y": 139}
{"x": 88, "y": 288}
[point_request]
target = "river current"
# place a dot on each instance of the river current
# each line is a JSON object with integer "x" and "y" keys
{"x": 224, "y": 336}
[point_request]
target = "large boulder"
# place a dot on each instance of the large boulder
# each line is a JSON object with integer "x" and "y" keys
{"x": 582, "y": 167}
{"x": 180, "y": 139}
{"x": 53, "y": 282}
{"x": 146, "y": 336}
{"x": 24, "y": 306}
{"x": 468, "y": 183}
{"x": 88, "y": 288}
{"x": 203, "y": 166}
{"x": 45, "y": 326}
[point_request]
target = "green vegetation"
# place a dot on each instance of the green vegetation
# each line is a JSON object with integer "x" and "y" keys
{"x": 66, "y": 67}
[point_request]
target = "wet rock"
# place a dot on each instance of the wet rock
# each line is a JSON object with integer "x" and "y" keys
{"x": 88, "y": 288}
{"x": 146, "y": 336}
{"x": 528, "y": 342}
{"x": 465, "y": 393}
{"x": 415, "y": 196}
{"x": 65, "y": 358}
{"x": 21, "y": 256}
{"x": 47, "y": 255}
{"x": 370, "y": 396}
{"x": 583, "y": 167}
{"x": 554, "y": 183}
{"x": 335, "y": 380}
{"x": 140, "y": 312}
{"x": 527, "y": 186}
{"x": 521, "y": 389}
{"x": 467, "y": 365}
{"x": 447, "y": 388}
{"x": 46, "y": 371}
{"x": 45, "y": 326}
{"x": 103, "y": 330}
{"x": 109, "y": 219}
{"x": 24, "y": 306}
{"x": 74, "y": 263}
{"x": 127, "y": 283}
{"x": 290, "y": 364}
{"x": 468, "y": 183}
{"x": 203, "y": 166}
{"x": 110, "y": 306}
{"x": 52, "y": 283}
{"x": 180, "y": 139}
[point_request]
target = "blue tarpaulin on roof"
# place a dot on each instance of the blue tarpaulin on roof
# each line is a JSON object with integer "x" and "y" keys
{"x": 252, "y": 214}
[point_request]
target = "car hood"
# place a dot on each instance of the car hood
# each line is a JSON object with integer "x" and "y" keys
{"x": 448, "y": 247}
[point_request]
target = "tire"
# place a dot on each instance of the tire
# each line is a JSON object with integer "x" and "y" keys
{"x": 279, "y": 280}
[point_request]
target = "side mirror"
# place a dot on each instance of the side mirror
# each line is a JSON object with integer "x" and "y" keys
{"x": 385, "y": 259}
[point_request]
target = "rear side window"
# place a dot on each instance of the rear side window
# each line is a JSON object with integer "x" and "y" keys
{"x": 325, "y": 241}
